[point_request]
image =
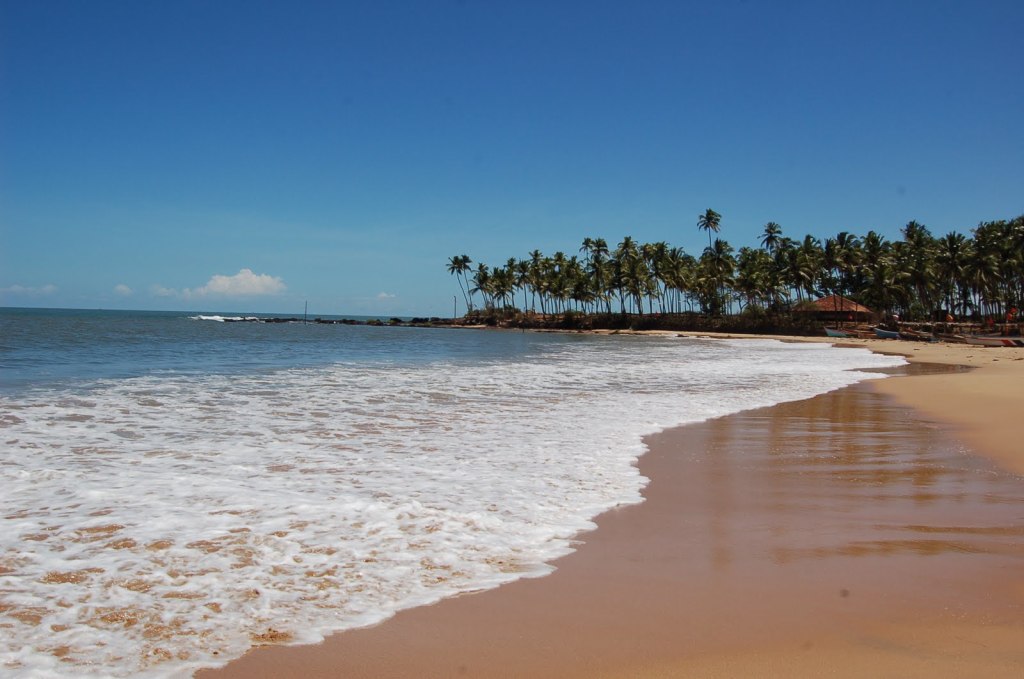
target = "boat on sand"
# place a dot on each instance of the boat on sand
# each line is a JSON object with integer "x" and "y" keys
{"x": 994, "y": 341}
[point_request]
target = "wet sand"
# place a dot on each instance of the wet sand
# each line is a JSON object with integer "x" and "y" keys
{"x": 847, "y": 535}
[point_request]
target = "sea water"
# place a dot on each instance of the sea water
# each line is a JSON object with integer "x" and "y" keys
{"x": 176, "y": 489}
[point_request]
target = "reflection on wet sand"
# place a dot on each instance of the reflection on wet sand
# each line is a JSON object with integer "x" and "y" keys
{"x": 822, "y": 536}
{"x": 840, "y": 475}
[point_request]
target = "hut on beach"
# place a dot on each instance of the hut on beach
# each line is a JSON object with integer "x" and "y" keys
{"x": 836, "y": 308}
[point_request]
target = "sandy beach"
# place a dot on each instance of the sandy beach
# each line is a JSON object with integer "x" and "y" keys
{"x": 873, "y": 531}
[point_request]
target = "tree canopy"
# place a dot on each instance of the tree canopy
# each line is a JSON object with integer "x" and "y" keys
{"x": 969, "y": 276}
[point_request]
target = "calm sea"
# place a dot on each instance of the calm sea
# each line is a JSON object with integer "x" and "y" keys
{"x": 176, "y": 489}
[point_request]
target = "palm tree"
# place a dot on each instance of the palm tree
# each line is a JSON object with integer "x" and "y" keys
{"x": 598, "y": 270}
{"x": 848, "y": 259}
{"x": 655, "y": 256}
{"x": 918, "y": 262}
{"x": 501, "y": 285}
{"x": 557, "y": 280}
{"x": 878, "y": 274}
{"x": 718, "y": 265}
{"x": 587, "y": 248}
{"x": 680, "y": 275}
{"x": 913, "y": 276}
{"x": 576, "y": 283}
{"x": 754, "y": 277}
{"x": 747, "y": 277}
{"x": 626, "y": 255}
{"x": 952, "y": 256}
{"x": 983, "y": 269}
{"x": 874, "y": 248}
{"x": 458, "y": 266}
{"x": 785, "y": 257}
{"x": 636, "y": 281}
{"x": 510, "y": 280}
{"x": 483, "y": 284}
{"x": 807, "y": 269}
{"x": 709, "y": 221}
{"x": 886, "y": 286}
{"x": 523, "y": 278}
{"x": 772, "y": 237}
{"x": 536, "y": 277}
{"x": 1016, "y": 244}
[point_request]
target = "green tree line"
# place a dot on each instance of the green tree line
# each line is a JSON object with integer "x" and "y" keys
{"x": 972, "y": 276}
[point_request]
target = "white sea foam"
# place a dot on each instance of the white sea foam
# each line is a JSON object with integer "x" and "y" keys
{"x": 155, "y": 525}
{"x": 222, "y": 319}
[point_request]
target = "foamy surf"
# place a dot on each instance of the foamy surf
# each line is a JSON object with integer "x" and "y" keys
{"x": 224, "y": 319}
{"x": 159, "y": 524}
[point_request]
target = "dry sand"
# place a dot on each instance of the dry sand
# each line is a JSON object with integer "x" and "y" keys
{"x": 847, "y": 535}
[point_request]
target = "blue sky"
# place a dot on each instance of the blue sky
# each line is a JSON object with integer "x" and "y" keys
{"x": 250, "y": 156}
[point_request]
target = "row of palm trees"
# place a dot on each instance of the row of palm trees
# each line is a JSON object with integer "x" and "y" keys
{"x": 969, "y": 276}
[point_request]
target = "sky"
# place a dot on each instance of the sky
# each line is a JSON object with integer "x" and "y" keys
{"x": 255, "y": 156}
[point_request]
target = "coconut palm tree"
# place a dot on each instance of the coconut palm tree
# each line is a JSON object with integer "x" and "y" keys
{"x": 840, "y": 258}
{"x": 772, "y": 237}
{"x": 785, "y": 257}
{"x": 874, "y": 248}
{"x": 625, "y": 268}
{"x": 536, "y": 278}
{"x": 718, "y": 265}
{"x": 482, "y": 283}
{"x": 984, "y": 272}
{"x": 877, "y": 273}
{"x": 754, "y": 278}
{"x": 983, "y": 269}
{"x": 501, "y": 285}
{"x": 848, "y": 258}
{"x": 601, "y": 279}
{"x": 709, "y": 221}
{"x": 953, "y": 252}
{"x": 598, "y": 270}
{"x": 917, "y": 261}
{"x": 655, "y": 256}
{"x": 807, "y": 266}
{"x": 458, "y": 266}
{"x": 681, "y": 277}
{"x": 886, "y": 289}
{"x": 523, "y": 278}
{"x": 636, "y": 281}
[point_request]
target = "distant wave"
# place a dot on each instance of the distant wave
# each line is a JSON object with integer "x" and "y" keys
{"x": 222, "y": 319}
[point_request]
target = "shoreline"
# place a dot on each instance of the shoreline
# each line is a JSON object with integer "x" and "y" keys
{"x": 602, "y": 612}
{"x": 985, "y": 412}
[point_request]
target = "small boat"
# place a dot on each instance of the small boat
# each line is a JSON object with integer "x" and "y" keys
{"x": 886, "y": 334}
{"x": 836, "y": 332}
{"x": 950, "y": 337}
{"x": 916, "y": 336}
{"x": 994, "y": 341}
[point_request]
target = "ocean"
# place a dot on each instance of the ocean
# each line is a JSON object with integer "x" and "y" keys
{"x": 177, "y": 489}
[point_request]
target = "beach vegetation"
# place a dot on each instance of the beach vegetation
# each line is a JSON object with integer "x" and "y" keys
{"x": 709, "y": 221}
{"x": 919, "y": 277}
{"x": 458, "y": 266}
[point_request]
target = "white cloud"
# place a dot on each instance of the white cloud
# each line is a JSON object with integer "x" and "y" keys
{"x": 47, "y": 289}
{"x": 386, "y": 295}
{"x": 245, "y": 283}
{"x": 161, "y": 291}
{"x": 123, "y": 290}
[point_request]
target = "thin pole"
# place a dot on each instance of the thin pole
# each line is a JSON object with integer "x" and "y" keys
{"x": 305, "y": 309}
{"x": 455, "y": 307}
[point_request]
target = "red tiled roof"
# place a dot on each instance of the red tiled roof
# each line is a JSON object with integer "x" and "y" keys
{"x": 837, "y": 303}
